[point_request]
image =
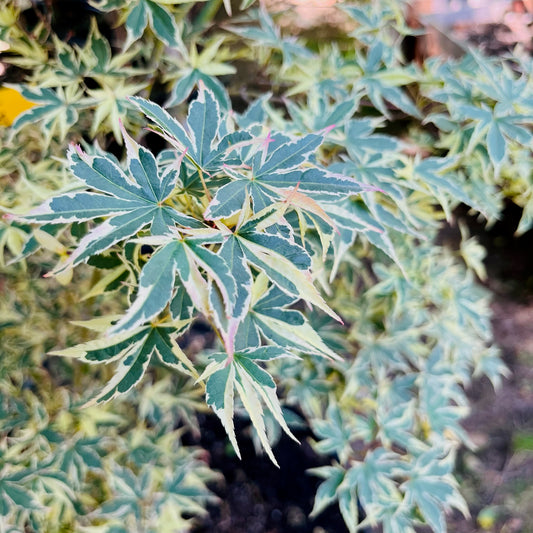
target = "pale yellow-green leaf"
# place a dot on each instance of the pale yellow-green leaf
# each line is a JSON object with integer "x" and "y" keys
{"x": 170, "y": 519}
{"x": 9, "y": 315}
{"x": 226, "y": 414}
{"x": 395, "y": 77}
{"x": 17, "y": 449}
{"x": 65, "y": 276}
{"x": 210, "y": 60}
{"x": 49, "y": 242}
{"x": 218, "y": 69}
{"x": 472, "y": 253}
{"x": 100, "y": 324}
{"x": 125, "y": 58}
{"x": 526, "y": 222}
{"x": 349, "y": 510}
{"x": 326, "y": 238}
{"x": 154, "y": 240}
{"x": 100, "y": 529}
{"x": 271, "y": 400}
{"x": 204, "y": 232}
{"x": 210, "y": 369}
{"x": 99, "y": 288}
{"x": 186, "y": 362}
{"x": 27, "y": 53}
{"x": 9, "y": 16}
{"x": 305, "y": 334}
{"x": 197, "y": 287}
{"x": 119, "y": 374}
{"x": 41, "y": 179}
{"x": 106, "y": 103}
{"x": 91, "y": 417}
{"x": 276, "y": 216}
{"x": 301, "y": 280}
{"x": 63, "y": 495}
{"x": 259, "y": 287}
{"x": 246, "y": 212}
{"x": 13, "y": 239}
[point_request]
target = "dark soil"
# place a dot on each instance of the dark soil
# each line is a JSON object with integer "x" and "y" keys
{"x": 509, "y": 260}
{"x": 258, "y": 497}
{"x": 497, "y": 476}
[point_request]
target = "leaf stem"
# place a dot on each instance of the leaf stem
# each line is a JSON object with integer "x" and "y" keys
{"x": 206, "y": 190}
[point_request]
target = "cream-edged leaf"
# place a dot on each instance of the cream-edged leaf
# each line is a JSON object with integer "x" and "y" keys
{"x": 219, "y": 391}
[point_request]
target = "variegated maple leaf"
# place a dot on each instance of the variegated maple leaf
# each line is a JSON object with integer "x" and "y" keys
{"x": 129, "y": 201}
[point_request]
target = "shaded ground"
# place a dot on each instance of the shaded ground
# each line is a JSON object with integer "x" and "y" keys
{"x": 256, "y": 496}
{"x": 496, "y": 478}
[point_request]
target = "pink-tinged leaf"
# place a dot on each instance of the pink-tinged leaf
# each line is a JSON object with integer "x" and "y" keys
{"x": 302, "y": 201}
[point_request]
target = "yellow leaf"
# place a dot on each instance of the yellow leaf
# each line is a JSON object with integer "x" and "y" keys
{"x": 49, "y": 242}
{"x": 100, "y": 324}
{"x": 14, "y": 240}
{"x": 12, "y": 104}
{"x": 65, "y": 277}
{"x": 100, "y": 287}
{"x": 487, "y": 517}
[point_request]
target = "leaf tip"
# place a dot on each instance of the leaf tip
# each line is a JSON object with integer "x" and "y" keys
{"x": 77, "y": 148}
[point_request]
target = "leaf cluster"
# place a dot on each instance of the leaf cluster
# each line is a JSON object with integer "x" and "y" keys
{"x": 295, "y": 214}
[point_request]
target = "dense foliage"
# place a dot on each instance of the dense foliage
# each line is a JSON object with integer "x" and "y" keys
{"x": 299, "y": 224}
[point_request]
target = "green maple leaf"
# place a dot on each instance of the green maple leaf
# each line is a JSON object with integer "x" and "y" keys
{"x": 270, "y": 318}
{"x": 133, "y": 351}
{"x": 181, "y": 256}
{"x": 55, "y": 110}
{"x": 201, "y": 139}
{"x": 253, "y": 384}
{"x": 131, "y": 201}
